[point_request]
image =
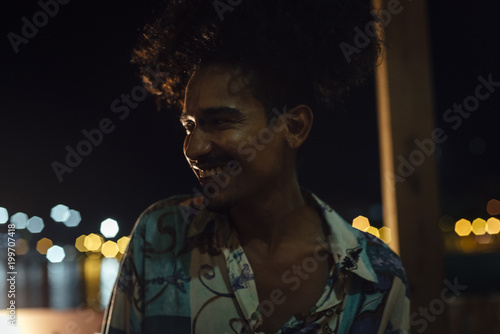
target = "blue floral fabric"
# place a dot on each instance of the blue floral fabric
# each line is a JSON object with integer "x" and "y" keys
{"x": 185, "y": 272}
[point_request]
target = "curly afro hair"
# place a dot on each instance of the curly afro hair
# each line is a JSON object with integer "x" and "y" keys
{"x": 292, "y": 45}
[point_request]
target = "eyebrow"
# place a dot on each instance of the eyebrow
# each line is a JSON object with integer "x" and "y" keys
{"x": 215, "y": 111}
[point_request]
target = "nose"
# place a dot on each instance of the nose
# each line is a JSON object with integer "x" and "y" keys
{"x": 197, "y": 145}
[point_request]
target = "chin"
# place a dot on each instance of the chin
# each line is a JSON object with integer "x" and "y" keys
{"x": 220, "y": 203}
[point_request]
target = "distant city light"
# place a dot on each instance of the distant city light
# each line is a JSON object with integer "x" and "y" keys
{"x": 463, "y": 227}
{"x": 35, "y": 224}
{"x": 373, "y": 230}
{"x": 493, "y": 207}
{"x": 109, "y": 228}
{"x": 493, "y": 225}
{"x": 74, "y": 219}
{"x": 59, "y": 213}
{"x": 55, "y": 254}
{"x": 122, "y": 244}
{"x": 93, "y": 242}
{"x": 80, "y": 243}
{"x": 43, "y": 245}
{"x": 20, "y": 220}
{"x": 4, "y": 215}
{"x": 385, "y": 234}
{"x": 109, "y": 249}
{"x": 484, "y": 239}
{"x": 361, "y": 223}
{"x": 479, "y": 226}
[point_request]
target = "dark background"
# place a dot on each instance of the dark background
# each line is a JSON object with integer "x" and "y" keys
{"x": 64, "y": 81}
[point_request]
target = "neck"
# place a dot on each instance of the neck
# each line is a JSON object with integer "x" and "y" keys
{"x": 277, "y": 218}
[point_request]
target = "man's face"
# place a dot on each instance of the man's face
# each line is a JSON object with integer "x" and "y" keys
{"x": 229, "y": 144}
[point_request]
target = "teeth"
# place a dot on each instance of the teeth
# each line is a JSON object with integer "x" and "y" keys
{"x": 211, "y": 172}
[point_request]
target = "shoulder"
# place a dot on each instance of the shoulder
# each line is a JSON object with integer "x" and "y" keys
{"x": 166, "y": 221}
{"x": 385, "y": 262}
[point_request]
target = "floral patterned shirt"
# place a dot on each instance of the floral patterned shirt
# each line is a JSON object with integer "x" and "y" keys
{"x": 185, "y": 272}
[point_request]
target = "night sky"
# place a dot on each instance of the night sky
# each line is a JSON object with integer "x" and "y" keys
{"x": 65, "y": 79}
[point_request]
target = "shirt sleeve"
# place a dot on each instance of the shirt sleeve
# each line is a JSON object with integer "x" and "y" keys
{"x": 124, "y": 313}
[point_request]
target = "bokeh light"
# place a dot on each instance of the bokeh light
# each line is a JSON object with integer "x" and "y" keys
{"x": 385, "y": 234}
{"x": 361, "y": 223}
{"x": 479, "y": 226}
{"x": 109, "y": 228}
{"x": 463, "y": 227}
{"x": 74, "y": 219}
{"x": 373, "y": 230}
{"x": 22, "y": 246}
{"x": 55, "y": 254}
{"x": 80, "y": 243}
{"x": 122, "y": 244}
{"x": 59, "y": 213}
{"x": 93, "y": 242}
{"x": 20, "y": 220}
{"x": 35, "y": 224}
{"x": 43, "y": 245}
{"x": 109, "y": 249}
{"x": 493, "y": 207}
{"x": 4, "y": 215}
{"x": 493, "y": 225}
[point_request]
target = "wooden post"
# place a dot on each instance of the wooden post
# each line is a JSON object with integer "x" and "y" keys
{"x": 408, "y": 167}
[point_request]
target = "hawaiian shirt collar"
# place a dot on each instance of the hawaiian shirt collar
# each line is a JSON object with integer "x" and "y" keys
{"x": 347, "y": 244}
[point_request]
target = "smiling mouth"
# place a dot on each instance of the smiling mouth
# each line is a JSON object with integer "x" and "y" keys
{"x": 204, "y": 173}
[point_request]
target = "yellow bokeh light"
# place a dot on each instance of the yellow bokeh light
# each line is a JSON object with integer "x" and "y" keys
{"x": 493, "y": 225}
{"x": 463, "y": 227}
{"x": 80, "y": 243}
{"x": 93, "y": 242}
{"x": 109, "y": 249}
{"x": 479, "y": 226}
{"x": 373, "y": 230}
{"x": 43, "y": 245}
{"x": 122, "y": 244}
{"x": 385, "y": 234}
{"x": 361, "y": 223}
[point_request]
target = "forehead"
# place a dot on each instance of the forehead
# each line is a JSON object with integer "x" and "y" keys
{"x": 219, "y": 86}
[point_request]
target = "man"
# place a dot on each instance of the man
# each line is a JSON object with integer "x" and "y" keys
{"x": 255, "y": 252}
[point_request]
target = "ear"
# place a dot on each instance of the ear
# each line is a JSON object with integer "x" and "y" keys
{"x": 298, "y": 122}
